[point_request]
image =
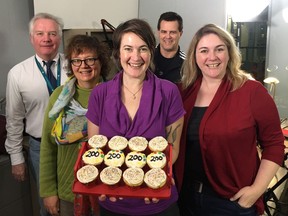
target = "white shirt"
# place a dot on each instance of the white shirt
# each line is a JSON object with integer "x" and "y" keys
{"x": 27, "y": 97}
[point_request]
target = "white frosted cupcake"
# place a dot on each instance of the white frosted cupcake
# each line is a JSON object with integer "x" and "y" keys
{"x": 135, "y": 159}
{"x": 155, "y": 178}
{"x": 114, "y": 158}
{"x": 133, "y": 176}
{"x": 156, "y": 160}
{"x": 93, "y": 156}
{"x": 158, "y": 143}
{"x": 87, "y": 174}
{"x": 97, "y": 141}
{"x": 110, "y": 175}
{"x": 117, "y": 143}
{"x": 137, "y": 143}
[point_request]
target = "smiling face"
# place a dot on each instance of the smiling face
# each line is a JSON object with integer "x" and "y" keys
{"x": 169, "y": 35}
{"x": 87, "y": 76}
{"x": 212, "y": 56}
{"x": 135, "y": 55}
{"x": 45, "y": 38}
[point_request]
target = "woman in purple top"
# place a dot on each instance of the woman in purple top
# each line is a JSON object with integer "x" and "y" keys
{"x": 136, "y": 103}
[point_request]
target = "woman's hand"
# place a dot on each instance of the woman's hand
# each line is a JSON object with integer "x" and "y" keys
{"x": 146, "y": 199}
{"x": 103, "y": 197}
{"x": 246, "y": 197}
{"x": 52, "y": 205}
{"x": 153, "y": 200}
{"x": 114, "y": 199}
{"x": 156, "y": 200}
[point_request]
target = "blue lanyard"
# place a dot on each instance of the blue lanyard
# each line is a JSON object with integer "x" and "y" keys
{"x": 49, "y": 86}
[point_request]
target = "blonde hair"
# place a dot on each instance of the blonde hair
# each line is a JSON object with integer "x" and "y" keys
{"x": 190, "y": 70}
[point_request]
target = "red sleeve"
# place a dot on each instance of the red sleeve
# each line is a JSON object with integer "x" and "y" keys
{"x": 267, "y": 119}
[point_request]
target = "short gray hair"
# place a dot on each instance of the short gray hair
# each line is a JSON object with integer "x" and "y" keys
{"x": 58, "y": 21}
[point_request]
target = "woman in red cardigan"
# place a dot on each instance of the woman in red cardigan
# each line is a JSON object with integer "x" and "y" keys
{"x": 218, "y": 171}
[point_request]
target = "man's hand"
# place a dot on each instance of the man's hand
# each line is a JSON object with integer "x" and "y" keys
{"x": 19, "y": 172}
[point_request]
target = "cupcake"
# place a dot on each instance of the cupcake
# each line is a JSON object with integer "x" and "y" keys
{"x": 117, "y": 143}
{"x": 87, "y": 174}
{"x": 137, "y": 143}
{"x": 133, "y": 176}
{"x": 97, "y": 141}
{"x": 110, "y": 175}
{"x": 155, "y": 178}
{"x": 93, "y": 156}
{"x": 114, "y": 158}
{"x": 156, "y": 160}
{"x": 158, "y": 143}
{"x": 135, "y": 159}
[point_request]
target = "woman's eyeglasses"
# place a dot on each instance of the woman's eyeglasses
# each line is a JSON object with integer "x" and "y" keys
{"x": 88, "y": 61}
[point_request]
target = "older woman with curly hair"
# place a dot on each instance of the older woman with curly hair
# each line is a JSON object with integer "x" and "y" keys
{"x": 65, "y": 124}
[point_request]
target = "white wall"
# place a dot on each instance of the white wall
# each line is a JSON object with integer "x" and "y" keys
{"x": 86, "y": 14}
{"x": 194, "y": 13}
{"x": 14, "y": 36}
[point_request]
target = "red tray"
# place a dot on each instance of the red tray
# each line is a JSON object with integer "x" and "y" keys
{"x": 285, "y": 132}
{"x": 121, "y": 189}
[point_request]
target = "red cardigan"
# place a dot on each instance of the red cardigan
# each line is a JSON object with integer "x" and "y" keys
{"x": 233, "y": 124}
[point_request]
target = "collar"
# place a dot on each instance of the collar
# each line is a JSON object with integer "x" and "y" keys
{"x": 148, "y": 110}
{"x": 55, "y": 59}
{"x": 158, "y": 52}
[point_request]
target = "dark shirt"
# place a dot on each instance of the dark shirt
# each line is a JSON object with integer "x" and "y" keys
{"x": 194, "y": 169}
{"x": 169, "y": 68}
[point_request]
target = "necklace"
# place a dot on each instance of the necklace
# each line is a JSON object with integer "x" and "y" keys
{"x": 134, "y": 94}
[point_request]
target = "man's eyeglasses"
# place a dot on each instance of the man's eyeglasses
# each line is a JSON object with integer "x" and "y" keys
{"x": 88, "y": 61}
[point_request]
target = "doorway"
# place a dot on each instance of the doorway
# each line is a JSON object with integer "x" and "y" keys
{"x": 250, "y": 35}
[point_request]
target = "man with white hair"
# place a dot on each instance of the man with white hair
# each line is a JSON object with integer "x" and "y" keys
{"x": 29, "y": 85}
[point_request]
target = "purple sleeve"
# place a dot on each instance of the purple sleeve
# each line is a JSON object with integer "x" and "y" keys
{"x": 176, "y": 109}
{"x": 93, "y": 107}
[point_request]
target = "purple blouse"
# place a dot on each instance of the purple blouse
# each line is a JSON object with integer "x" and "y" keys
{"x": 160, "y": 106}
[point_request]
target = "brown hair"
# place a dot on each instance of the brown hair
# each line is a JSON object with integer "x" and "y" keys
{"x": 138, "y": 27}
{"x": 81, "y": 43}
